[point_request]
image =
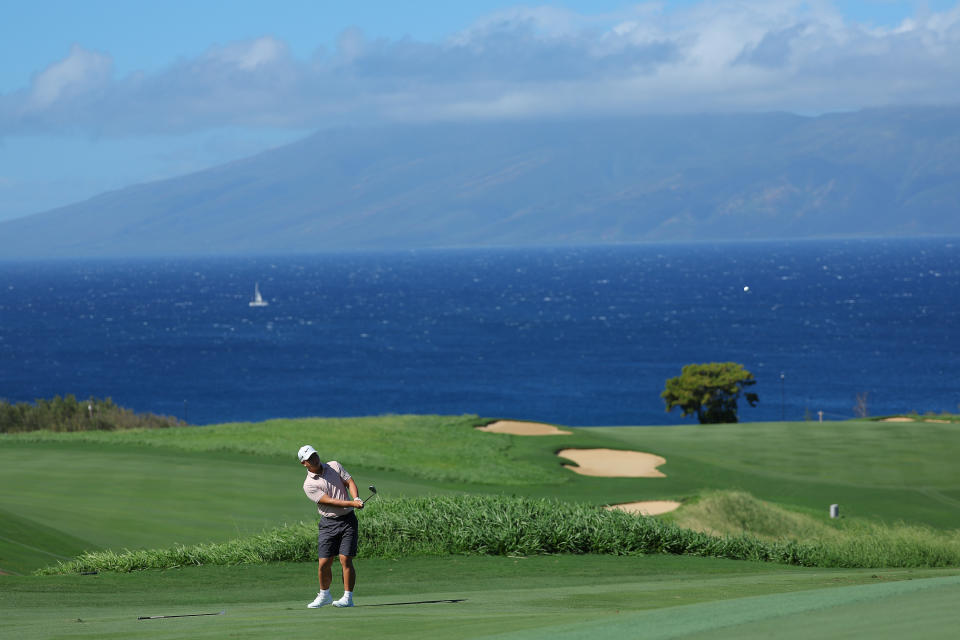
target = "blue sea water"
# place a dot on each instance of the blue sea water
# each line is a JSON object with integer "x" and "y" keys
{"x": 575, "y": 336}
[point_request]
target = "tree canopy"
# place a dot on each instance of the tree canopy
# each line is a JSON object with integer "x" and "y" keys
{"x": 710, "y": 390}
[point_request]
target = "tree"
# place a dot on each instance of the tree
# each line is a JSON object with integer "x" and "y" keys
{"x": 710, "y": 390}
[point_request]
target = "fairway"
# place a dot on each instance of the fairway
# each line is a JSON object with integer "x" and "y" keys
{"x": 162, "y": 488}
{"x": 535, "y": 597}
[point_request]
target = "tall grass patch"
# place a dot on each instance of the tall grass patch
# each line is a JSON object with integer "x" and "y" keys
{"x": 733, "y": 513}
{"x": 498, "y": 525}
{"x": 848, "y": 542}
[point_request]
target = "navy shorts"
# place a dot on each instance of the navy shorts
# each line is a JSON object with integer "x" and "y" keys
{"x": 337, "y": 536}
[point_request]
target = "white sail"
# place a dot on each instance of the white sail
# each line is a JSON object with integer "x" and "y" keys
{"x": 258, "y": 300}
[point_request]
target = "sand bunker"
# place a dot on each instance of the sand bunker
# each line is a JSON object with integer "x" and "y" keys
{"x": 523, "y": 428}
{"x": 610, "y": 463}
{"x": 647, "y": 508}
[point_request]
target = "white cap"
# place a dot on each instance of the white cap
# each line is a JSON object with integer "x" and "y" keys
{"x": 305, "y": 452}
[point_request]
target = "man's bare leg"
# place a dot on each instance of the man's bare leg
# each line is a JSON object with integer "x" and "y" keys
{"x": 349, "y": 573}
{"x": 349, "y": 581}
{"x": 325, "y": 573}
{"x": 325, "y": 576}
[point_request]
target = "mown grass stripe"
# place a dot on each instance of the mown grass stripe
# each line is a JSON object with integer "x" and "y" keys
{"x": 731, "y": 616}
{"x": 32, "y": 548}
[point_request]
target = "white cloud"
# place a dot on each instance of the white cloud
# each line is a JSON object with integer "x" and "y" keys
{"x": 251, "y": 55}
{"x": 350, "y": 44}
{"x": 790, "y": 55}
{"x": 81, "y": 72}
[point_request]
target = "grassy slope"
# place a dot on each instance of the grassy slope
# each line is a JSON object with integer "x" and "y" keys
{"x": 431, "y": 447}
{"x": 880, "y": 470}
{"x": 135, "y": 497}
{"x": 555, "y": 596}
{"x": 884, "y": 471}
{"x": 131, "y": 497}
{"x": 26, "y": 544}
{"x": 152, "y": 488}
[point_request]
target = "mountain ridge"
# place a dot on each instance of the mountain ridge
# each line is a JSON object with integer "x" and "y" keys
{"x": 883, "y": 172}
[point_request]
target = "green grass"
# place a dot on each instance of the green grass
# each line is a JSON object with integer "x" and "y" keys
{"x": 853, "y": 453}
{"x": 489, "y": 525}
{"x": 874, "y": 470}
{"x": 462, "y": 525}
{"x": 880, "y": 471}
{"x": 26, "y": 544}
{"x": 153, "y": 489}
{"x": 115, "y": 497}
{"x": 535, "y": 597}
{"x": 850, "y": 541}
{"x": 430, "y": 447}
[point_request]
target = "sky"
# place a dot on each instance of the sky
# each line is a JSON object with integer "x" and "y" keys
{"x": 102, "y": 94}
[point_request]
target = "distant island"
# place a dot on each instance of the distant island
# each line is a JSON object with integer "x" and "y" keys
{"x": 878, "y": 172}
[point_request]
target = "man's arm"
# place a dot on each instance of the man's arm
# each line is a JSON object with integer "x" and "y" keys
{"x": 333, "y": 502}
{"x": 352, "y": 489}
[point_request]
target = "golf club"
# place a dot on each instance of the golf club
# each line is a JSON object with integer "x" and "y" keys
{"x": 182, "y": 615}
{"x": 373, "y": 493}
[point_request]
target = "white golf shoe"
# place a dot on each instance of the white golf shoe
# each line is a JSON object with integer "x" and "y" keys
{"x": 345, "y": 601}
{"x": 321, "y": 600}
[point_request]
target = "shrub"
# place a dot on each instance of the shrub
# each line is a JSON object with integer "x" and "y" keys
{"x": 69, "y": 414}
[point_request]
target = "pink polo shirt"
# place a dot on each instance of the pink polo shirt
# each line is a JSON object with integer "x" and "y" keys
{"x": 332, "y": 482}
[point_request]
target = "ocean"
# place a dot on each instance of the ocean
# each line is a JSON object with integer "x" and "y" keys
{"x": 579, "y": 336}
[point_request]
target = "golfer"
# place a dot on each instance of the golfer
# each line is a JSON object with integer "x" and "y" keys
{"x": 336, "y": 496}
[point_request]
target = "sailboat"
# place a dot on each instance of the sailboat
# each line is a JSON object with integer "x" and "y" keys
{"x": 258, "y": 300}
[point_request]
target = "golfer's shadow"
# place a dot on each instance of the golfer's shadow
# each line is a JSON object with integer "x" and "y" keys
{"x": 403, "y": 604}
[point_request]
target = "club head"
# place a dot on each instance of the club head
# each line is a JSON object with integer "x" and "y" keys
{"x": 372, "y": 488}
